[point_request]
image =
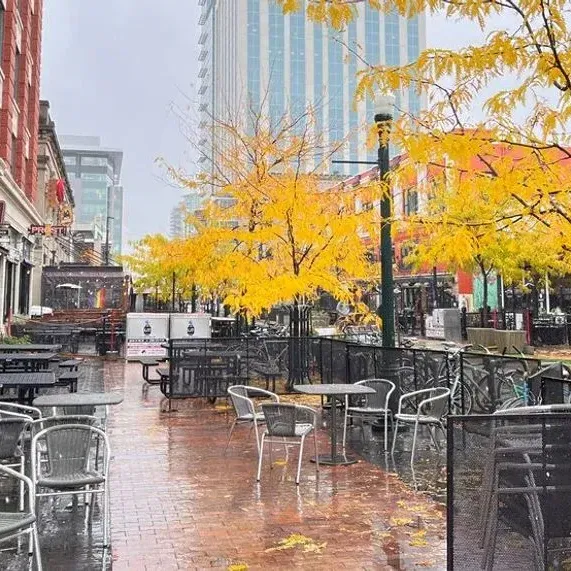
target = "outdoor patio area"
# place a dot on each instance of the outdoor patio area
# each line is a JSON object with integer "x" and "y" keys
{"x": 179, "y": 502}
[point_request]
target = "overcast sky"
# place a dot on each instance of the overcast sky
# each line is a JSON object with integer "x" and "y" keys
{"x": 114, "y": 68}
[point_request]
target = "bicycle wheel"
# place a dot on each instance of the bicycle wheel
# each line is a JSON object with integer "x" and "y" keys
{"x": 462, "y": 400}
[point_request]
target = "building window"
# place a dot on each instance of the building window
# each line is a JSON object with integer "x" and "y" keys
{"x": 411, "y": 203}
{"x": 70, "y": 161}
{"x": 93, "y": 161}
{"x": 413, "y": 53}
{"x": 353, "y": 114}
{"x": 336, "y": 87}
{"x": 297, "y": 74}
{"x": 254, "y": 53}
{"x": 318, "y": 76}
{"x": 14, "y": 154}
{"x": 276, "y": 63}
{"x": 94, "y": 176}
{"x": 17, "y": 73}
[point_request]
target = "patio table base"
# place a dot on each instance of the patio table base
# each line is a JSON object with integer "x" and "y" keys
{"x": 337, "y": 460}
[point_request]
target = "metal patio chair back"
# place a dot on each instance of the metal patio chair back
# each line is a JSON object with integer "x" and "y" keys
{"x": 72, "y": 464}
{"x": 242, "y": 397}
{"x": 14, "y": 524}
{"x": 30, "y": 411}
{"x": 371, "y": 406}
{"x": 288, "y": 424}
{"x": 430, "y": 405}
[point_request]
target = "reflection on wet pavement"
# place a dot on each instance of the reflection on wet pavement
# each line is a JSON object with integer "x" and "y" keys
{"x": 179, "y": 502}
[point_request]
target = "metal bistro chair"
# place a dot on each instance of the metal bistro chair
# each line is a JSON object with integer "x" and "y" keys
{"x": 429, "y": 412}
{"x": 372, "y": 406}
{"x": 241, "y": 397}
{"x": 15, "y": 524}
{"x": 30, "y": 411}
{"x": 71, "y": 466}
{"x": 288, "y": 421}
{"x": 13, "y": 427}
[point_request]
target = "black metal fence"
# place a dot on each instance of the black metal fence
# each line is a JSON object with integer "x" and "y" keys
{"x": 481, "y": 383}
{"x": 509, "y": 491}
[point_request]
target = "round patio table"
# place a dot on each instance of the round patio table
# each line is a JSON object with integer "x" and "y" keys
{"x": 335, "y": 391}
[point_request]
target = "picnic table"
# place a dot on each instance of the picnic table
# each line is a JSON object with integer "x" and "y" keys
{"x": 27, "y": 361}
{"x": 29, "y": 348}
{"x": 27, "y": 383}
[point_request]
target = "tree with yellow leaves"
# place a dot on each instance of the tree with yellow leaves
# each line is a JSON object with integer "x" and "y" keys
{"x": 516, "y": 161}
{"x": 278, "y": 232}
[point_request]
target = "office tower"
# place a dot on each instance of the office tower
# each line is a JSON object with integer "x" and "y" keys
{"x": 180, "y": 226}
{"x": 95, "y": 176}
{"x": 253, "y": 54}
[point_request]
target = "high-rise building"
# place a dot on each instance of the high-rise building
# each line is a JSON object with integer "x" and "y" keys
{"x": 180, "y": 227}
{"x": 254, "y": 55}
{"x": 95, "y": 176}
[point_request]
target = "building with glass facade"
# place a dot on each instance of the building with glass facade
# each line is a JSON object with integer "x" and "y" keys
{"x": 251, "y": 54}
{"x": 95, "y": 176}
{"x": 180, "y": 226}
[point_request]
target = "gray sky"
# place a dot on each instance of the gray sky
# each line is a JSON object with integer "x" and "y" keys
{"x": 113, "y": 68}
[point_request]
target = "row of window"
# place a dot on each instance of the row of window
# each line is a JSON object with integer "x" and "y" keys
{"x": 71, "y": 160}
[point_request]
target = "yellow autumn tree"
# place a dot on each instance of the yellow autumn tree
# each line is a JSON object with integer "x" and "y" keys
{"x": 279, "y": 230}
{"x": 517, "y": 158}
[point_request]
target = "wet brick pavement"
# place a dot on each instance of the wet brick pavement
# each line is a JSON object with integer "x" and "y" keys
{"x": 179, "y": 502}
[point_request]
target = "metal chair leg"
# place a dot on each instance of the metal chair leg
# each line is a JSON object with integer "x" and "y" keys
{"x": 395, "y": 431}
{"x": 38, "y": 555}
{"x": 230, "y": 435}
{"x": 255, "y": 422}
{"x": 260, "y": 457}
{"x": 299, "y": 459}
{"x": 386, "y": 429}
{"x": 22, "y": 491}
{"x": 414, "y": 443}
{"x": 316, "y": 450}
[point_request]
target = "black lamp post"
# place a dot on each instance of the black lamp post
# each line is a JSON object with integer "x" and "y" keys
{"x": 383, "y": 119}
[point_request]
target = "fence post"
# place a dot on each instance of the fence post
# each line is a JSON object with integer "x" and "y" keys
{"x": 463, "y": 323}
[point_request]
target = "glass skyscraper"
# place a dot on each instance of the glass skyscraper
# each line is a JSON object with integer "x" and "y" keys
{"x": 94, "y": 173}
{"x": 252, "y": 54}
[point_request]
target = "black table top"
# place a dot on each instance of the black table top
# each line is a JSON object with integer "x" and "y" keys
{"x": 39, "y": 379}
{"x": 29, "y": 348}
{"x": 27, "y": 356}
{"x": 334, "y": 389}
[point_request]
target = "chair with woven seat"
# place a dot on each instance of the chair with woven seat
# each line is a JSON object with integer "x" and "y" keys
{"x": 242, "y": 400}
{"x": 14, "y": 524}
{"x": 71, "y": 466}
{"x": 285, "y": 423}
{"x": 371, "y": 406}
{"x": 430, "y": 411}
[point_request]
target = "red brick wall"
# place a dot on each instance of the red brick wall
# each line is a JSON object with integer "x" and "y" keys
{"x": 26, "y": 108}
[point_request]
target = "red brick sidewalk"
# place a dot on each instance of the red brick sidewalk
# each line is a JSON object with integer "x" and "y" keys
{"x": 179, "y": 503}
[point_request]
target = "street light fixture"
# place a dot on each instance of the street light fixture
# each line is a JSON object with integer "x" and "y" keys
{"x": 384, "y": 106}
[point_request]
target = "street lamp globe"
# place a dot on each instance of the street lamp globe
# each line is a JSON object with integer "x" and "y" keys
{"x": 384, "y": 107}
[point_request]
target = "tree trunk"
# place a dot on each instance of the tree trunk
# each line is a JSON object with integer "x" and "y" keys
{"x": 193, "y": 297}
{"x": 484, "y": 294}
